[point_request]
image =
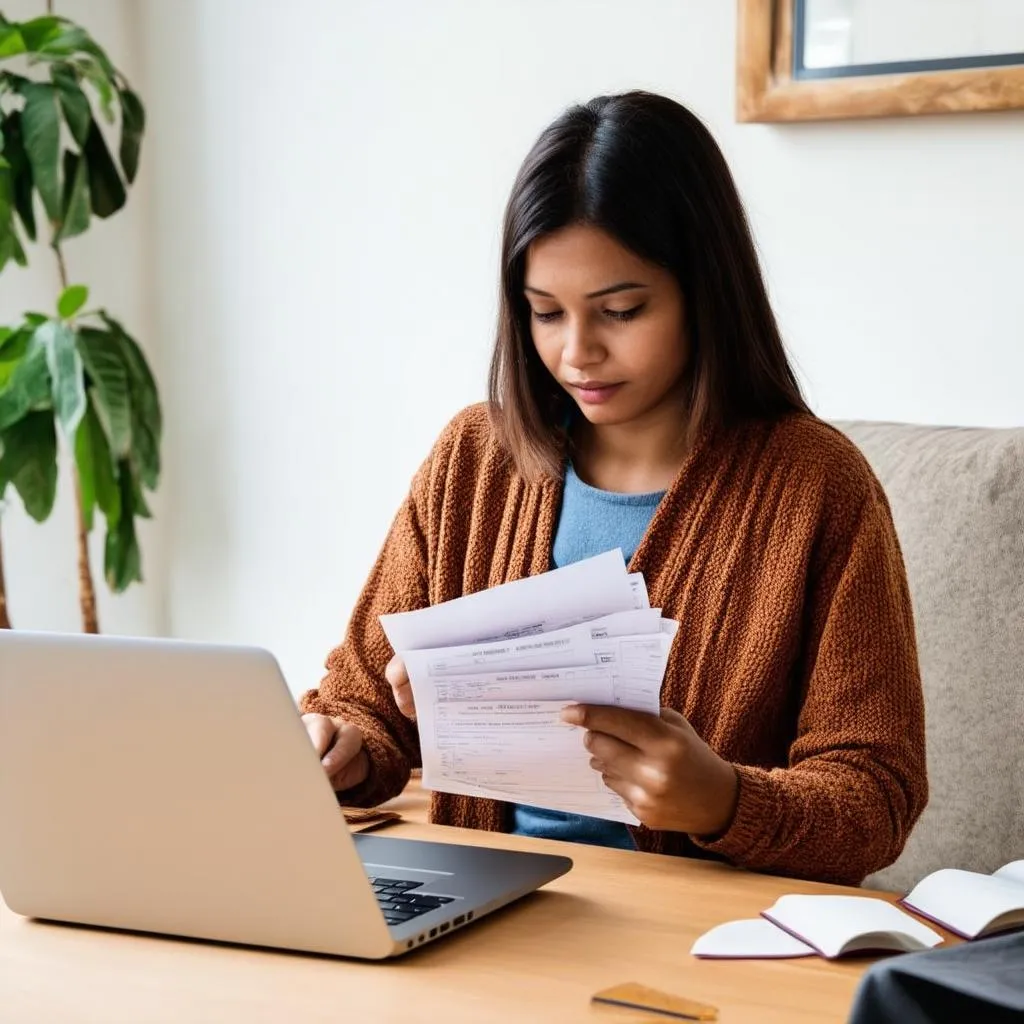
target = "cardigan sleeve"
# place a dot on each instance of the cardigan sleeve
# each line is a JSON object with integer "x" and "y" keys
{"x": 354, "y": 687}
{"x": 856, "y": 778}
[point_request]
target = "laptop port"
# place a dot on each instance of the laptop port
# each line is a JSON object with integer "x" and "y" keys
{"x": 409, "y": 944}
{"x": 461, "y": 919}
{"x": 445, "y": 927}
{"x": 433, "y": 933}
{"x": 469, "y": 916}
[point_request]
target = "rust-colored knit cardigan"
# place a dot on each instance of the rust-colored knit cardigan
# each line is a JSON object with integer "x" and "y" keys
{"x": 795, "y": 659}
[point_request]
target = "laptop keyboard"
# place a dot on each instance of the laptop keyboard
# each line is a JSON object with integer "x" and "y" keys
{"x": 398, "y": 901}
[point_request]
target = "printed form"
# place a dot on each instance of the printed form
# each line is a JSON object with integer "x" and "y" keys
{"x": 491, "y": 673}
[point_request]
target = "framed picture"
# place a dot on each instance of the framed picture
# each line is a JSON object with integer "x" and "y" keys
{"x": 800, "y": 60}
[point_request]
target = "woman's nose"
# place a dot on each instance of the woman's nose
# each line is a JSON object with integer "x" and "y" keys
{"x": 579, "y": 346}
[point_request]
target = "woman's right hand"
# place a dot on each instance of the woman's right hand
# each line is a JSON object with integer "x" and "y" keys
{"x": 340, "y": 746}
{"x": 397, "y": 676}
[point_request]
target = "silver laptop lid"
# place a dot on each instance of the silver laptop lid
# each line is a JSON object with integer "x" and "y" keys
{"x": 171, "y": 787}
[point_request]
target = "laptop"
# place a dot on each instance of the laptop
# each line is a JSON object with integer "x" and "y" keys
{"x": 170, "y": 787}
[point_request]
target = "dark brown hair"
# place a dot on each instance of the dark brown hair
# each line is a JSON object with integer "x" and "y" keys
{"x": 645, "y": 170}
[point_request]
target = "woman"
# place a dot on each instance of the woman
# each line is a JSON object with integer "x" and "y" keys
{"x": 640, "y": 397}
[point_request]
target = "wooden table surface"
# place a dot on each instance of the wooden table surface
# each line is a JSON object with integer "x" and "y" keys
{"x": 617, "y": 916}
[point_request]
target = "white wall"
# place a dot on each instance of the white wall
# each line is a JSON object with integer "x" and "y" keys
{"x": 329, "y": 179}
{"x": 112, "y": 258}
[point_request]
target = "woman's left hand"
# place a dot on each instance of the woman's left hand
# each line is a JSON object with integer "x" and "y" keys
{"x": 667, "y": 775}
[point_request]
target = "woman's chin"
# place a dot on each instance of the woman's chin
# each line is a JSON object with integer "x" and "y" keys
{"x": 605, "y": 415}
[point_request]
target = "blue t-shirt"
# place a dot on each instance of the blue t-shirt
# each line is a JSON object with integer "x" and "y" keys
{"x": 591, "y": 522}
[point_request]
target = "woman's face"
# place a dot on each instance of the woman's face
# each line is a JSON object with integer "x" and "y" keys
{"x": 610, "y": 327}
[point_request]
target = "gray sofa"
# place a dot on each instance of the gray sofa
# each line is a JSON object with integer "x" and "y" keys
{"x": 957, "y": 498}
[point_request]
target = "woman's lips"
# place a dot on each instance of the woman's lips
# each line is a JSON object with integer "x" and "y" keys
{"x": 595, "y": 392}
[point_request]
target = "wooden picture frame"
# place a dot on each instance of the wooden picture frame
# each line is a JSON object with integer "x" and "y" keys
{"x": 766, "y": 90}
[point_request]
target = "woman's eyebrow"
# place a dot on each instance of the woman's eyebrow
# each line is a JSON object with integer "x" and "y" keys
{"x": 622, "y": 286}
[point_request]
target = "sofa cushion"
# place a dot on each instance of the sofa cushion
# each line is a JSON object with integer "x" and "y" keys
{"x": 957, "y": 498}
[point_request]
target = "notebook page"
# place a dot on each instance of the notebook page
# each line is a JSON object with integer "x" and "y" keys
{"x": 1012, "y": 872}
{"x": 834, "y": 925}
{"x": 756, "y": 938}
{"x": 965, "y": 901}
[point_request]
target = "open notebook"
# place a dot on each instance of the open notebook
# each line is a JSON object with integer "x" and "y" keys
{"x": 970, "y": 903}
{"x": 966, "y": 902}
{"x": 830, "y": 926}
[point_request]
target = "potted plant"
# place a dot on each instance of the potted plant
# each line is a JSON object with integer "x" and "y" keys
{"x": 74, "y": 375}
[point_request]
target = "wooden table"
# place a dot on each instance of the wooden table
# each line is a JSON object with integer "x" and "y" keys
{"x": 617, "y": 916}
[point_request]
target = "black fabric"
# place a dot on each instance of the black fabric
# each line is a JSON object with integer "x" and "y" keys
{"x": 980, "y": 981}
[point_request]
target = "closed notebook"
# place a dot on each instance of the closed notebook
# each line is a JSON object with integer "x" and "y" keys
{"x": 970, "y": 903}
{"x": 837, "y": 925}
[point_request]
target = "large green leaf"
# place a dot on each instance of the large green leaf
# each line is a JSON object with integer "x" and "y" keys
{"x": 17, "y": 252}
{"x": 7, "y": 235}
{"x": 11, "y": 41}
{"x": 96, "y": 469}
{"x": 106, "y": 188}
{"x": 40, "y": 121}
{"x": 76, "y": 197}
{"x": 139, "y": 499}
{"x": 104, "y": 358}
{"x": 39, "y": 31}
{"x": 70, "y": 39}
{"x": 147, "y": 417}
{"x": 91, "y": 71}
{"x": 133, "y": 124}
{"x": 123, "y": 560}
{"x": 66, "y": 374}
{"x": 73, "y": 102}
{"x": 10, "y": 337}
{"x": 90, "y": 46}
{"x": 29, "y": 461}
{"x": 10, "y": 249}
{"x": 21, "y": 170}
{"x": 28, "y": 385}
{"x": 11, "y": 82}
{"x": 10, "y": 244}
{"x": 12, "y": 350}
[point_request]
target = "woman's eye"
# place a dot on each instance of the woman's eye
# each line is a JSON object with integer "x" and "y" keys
{"x": 624, "y": 314}
{"x": 546, "y": 318}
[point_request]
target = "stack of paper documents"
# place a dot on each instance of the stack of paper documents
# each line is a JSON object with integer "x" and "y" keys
{"x": 491, "y": 673}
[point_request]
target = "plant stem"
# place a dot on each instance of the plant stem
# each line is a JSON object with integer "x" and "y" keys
{"x": 61, "y": 267}
{"x": 86, "y": 588}
{"x": 5, "y": 622}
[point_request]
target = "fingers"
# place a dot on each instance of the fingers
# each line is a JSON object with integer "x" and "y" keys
{"x": 352, "y": 774}
{"x": 633, "y": 796}
{"x": 321, "y": 731}
{"x": 347, "y": 742}
{"x": 340, "y": 748}
{"x": 609, "y": 755}
{"x": 346, "y": 762}
{"x": 637, "y": 728}
{"x": 398, "y": 678}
